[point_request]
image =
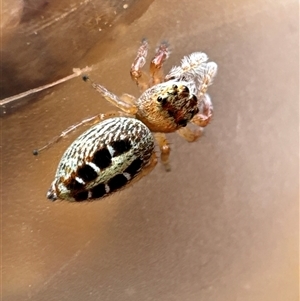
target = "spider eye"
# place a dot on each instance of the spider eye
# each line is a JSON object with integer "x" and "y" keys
{"x": 161, "y": 100}
{"x": 175, "y": 87}
{"x": 185, "y": 89}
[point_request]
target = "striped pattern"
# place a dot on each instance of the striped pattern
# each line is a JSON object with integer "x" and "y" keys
{"x": 103, "y": 160}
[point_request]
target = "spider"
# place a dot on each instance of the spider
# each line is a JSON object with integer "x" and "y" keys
{"x": 119, "y": 149}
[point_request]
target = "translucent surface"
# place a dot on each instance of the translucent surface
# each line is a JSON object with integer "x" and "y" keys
{"x": 222, "y": 225}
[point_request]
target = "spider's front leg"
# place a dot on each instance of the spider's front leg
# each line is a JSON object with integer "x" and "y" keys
{"x": 190, "y": 135}
{"x": 201, "y": 120}
{"x": 125, "y": 105}
{"x": 136, "y": 73}
{"x": 156, "y": 70}
{"x": 165, "y": 149}
{"x": 204, "y": 116}
{"x": 207, "y": 77}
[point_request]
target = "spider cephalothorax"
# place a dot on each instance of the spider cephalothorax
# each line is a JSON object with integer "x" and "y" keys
{"x": 166, "y": 107}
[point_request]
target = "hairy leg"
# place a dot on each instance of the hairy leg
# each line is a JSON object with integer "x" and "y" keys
{"x": 125, "y": 106}
{"x": 205, "y": 111}
{"x": 164, "y": 149}
{"x": 207, "y": 77}
{"x": 156, "y": 70}
{"x": 136, "y": 73}
{"x": 190, "y": 135}
{"x": 91, "y": 120}
{"x": 128, "y": 98}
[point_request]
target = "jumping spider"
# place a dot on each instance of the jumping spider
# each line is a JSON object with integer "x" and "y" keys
{"x": 119, "y": 149}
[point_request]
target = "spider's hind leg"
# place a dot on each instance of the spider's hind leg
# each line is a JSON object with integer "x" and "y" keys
{"x": 90, "y": 121}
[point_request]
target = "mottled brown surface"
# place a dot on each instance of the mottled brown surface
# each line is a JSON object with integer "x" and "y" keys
{"x": 222, "y": 225}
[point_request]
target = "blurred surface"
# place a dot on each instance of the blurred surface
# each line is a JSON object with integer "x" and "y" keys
{"x": 223, "y": 224}
{"x": 42, "y": 39}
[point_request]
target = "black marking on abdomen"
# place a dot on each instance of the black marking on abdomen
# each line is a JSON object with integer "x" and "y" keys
{"x": 74, "y": 185}
{"x": 87, "y": 173}
{"x": 120, "y": 147}
{"x": 81, "y": 196}
{"x": 102, "y": 158}
{"x": 98, "y": 191}
{"x": 134, "y": 167}
{"x": 117, "y": 182}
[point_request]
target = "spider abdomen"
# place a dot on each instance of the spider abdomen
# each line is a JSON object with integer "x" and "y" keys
{"x": 102, "y": 160}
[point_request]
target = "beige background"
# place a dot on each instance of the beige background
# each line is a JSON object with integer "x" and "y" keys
{"x": 223, "y": 224}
